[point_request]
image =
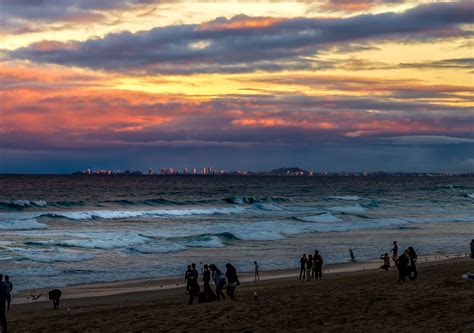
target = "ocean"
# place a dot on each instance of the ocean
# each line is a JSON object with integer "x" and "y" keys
{"x": 65, "y": 230}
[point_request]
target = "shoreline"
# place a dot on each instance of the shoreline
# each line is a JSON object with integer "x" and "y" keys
{"x": 440, "y": 300}
{"x": 114, "y": 288}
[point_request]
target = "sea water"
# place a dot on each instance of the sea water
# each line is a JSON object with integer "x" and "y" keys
{"x": 65, "y": 230}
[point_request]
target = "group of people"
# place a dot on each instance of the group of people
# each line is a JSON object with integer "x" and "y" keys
{"x": 405, "y": 263}
{"x": 228, "y": 280}
{"x": 311, "y": 266}
{"x": 6, "y": 288}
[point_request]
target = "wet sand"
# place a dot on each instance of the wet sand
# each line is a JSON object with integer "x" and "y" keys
{"x": 367, "y": 300}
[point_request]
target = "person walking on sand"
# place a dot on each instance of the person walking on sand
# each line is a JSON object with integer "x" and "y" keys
{"x": 472, "y": 248}
{"x": 219, "y": 280}
{"x": 309, "y": 267}
{"x": 3, "y": 299}
{"x": 257, "y": 271}
{"x": 9, "y": 286}
{"x": 386, "y": 261}
{"x": 55, "y": 295}
{"x": 318, "y": 265}
{"x": 394, "y": 251}
{"x": 303, "y": 266}
{"x": 232, "y": 280}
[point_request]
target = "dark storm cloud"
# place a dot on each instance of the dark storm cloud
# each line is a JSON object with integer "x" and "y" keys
{"x": 232, "y": 46}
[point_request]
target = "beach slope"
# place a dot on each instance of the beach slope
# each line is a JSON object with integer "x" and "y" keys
{"x": 369, "y": 301}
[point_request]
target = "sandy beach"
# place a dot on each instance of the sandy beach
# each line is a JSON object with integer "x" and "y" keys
{"x": 351, "y": 297}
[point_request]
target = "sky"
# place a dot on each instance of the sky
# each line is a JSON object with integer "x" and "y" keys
{"x": 326, "y": 85}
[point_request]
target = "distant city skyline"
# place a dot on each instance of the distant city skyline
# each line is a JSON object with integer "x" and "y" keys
{"x": 326, "y": 85}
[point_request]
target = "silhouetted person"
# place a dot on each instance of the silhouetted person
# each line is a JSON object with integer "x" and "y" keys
{"x": 472, "y": 248}
{"x": 386, "y": 261}
{"x": 219, "y": 280}
{"x": 303, "y": 266}
{"x": 55, "y": 295}
{"x": 309, "y": 267}
{"x": 318, "y": 265}
{"x": 9, "y": 286}
{"x": 207, "y": 295}
{"x": 351, "y": 253}
{"x": 402, "y": 265}
{"x": 186, "y": 279}
{"x": 3, "y": 299}
{"x": 394, "y": 250}
{"x": 413, "y": 257}
{"x": 232, "y": 280}
{"x": 257, "y": 271}
{"x": 193, "y": 283}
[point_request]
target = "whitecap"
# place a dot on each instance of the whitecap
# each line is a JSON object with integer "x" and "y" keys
{"x": 22, "y": 224}
{"x": 345, "y": 197}
{"x": 324, "y": 218}
{"x": 347, "y": 209}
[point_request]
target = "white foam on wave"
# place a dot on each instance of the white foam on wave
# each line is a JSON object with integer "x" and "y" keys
{"x": 324, "y": 218}
{"x": 26, "y": 203}
{"x": 118, "y": 214}
{"x": 157, "y": 248}
{"x": 206, "y": 241}
{"x": 50, "y": 256}
{"x": 347, "y": 209}
{"x": 345, "y": 197}
{"x": 471, "y": 195}
{"x": 22, "y": 224}
{"x": 268, "y": 207}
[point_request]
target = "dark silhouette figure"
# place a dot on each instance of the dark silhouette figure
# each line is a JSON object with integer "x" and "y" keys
{"x": 386, "y": 262}
{"x": 302, "y": 266}
{"x": 186, "y": 279}
{"x": 219, "y": 280}
{"x": 55, "y": 295}
{"x": 318, "y": 265}
{"x": 472, "y": 248}
{"x": 394, "y": 251}
{"x": 351, "y": 253}
{"x": 9, "y": 286}
{"x": 3, "y": 299}
{"x": 402, "y": 265}
{"x": 232, "y": 280}
{"x": 309, "y": 267}
{"x": 207, "y": 295}
{"x": 193, "y": 284}
{"x": 413, "y": 257}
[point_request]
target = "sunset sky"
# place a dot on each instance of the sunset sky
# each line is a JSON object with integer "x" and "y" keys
{"x": 330, "y": 85}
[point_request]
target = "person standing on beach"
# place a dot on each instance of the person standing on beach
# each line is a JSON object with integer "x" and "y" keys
{"x": 472, "y": 248}
{"x": 232, "y": 280}
{"x": 219, "y": 280}
{"x": 257, "y": 271}
{"x": 193, "y": 283}
{"x": 186, "y": 278}
{"x": 413, "y": 257}
{"x": 206, "y": 278}
{"x": 402, "y": 265}
{"x": 303, "y": 266}
{"x": 9, "y": 286}
{"x": 309, "y": 267}
{"x": 3, "y": 299}
{"x": 394, "y": 251}
{"x": 318, "y": 265}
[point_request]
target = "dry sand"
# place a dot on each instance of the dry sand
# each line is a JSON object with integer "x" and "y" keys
{"x": 370, "y": 300}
